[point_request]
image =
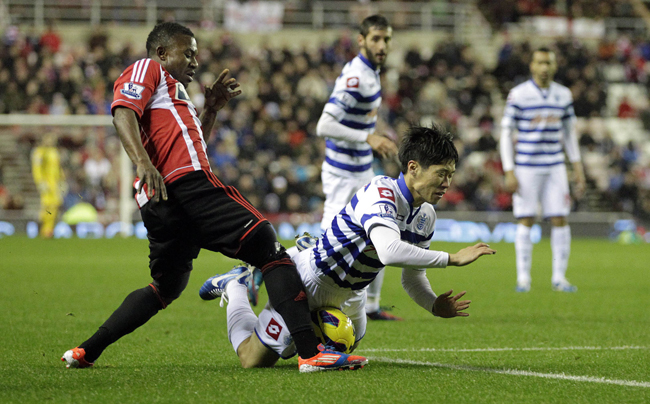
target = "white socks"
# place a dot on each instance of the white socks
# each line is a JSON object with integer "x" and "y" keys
{"x": 373, "y": 293}
{"x": 524, "y": 252}
{"x": 561, "y": 247}
{"x": 240, "y": 315}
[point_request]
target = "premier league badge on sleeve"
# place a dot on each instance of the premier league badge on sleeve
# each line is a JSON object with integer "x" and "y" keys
{"x": 386, "y": 210}
{"x": 132, "y": 90}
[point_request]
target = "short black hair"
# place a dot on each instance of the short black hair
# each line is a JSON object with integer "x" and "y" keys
{"x": 544, "y": 49}
{"x": 162, "y": 34}
{"x": 377, "y": 21}
{"x": 428, "y": 146}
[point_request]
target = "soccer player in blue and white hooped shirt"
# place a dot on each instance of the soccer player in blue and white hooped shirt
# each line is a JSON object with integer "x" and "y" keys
{"x": 348, "y": 124}
{"x": 387, "y": 222}
{"x": 541, "y": 111}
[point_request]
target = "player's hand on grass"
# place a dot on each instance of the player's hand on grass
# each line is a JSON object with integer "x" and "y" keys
{"x": 221, "y": 91}
{"x": 448, "y": 306}
{"x": 511, "y": 182}
{"x": 470, "y": 254}
{"x": 149, "y": 175}
{"x": 382, "y": 145}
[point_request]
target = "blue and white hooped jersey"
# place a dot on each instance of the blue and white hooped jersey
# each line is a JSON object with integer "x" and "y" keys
{"x": 541, "y": 117}
{"x": 345, "y": 256}
{"x": 354, "y": 103}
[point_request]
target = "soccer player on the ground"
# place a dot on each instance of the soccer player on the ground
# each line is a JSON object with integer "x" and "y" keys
{"x": 48, "y": 176}
{"x": 387, "y": 222}
{"x": 541, "y": 111}
{"x": 184, "y": 206}
{"x": 348, "y": 124}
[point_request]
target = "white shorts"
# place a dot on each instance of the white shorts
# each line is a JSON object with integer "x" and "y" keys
{"x": 547, "y": 187}
{"x": 271, "y": 328}
{"x": 338, "y": 192}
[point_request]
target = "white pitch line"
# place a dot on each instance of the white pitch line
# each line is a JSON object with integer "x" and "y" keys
{"x": 567, "y": 348}
{"x": 561, "y": 376}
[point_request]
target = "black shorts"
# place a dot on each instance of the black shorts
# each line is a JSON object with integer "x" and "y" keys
{"x": 200, "y": 212}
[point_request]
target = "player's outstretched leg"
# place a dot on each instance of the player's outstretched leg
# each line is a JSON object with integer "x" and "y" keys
{"x": 136, "y": 309}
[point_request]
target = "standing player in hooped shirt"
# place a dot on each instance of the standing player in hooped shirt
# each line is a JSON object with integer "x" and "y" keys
{"x": 541, "y": 111}
{"x": 388, "y": 222}
{"x": 348, "y": 125}
{"x": 184, "y": 206}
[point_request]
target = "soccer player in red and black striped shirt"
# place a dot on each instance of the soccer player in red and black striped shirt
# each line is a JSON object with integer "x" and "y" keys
{"x": 184, "y": 206}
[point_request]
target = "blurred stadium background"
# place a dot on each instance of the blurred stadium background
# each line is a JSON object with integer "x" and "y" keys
{"x": 452, "y": 62}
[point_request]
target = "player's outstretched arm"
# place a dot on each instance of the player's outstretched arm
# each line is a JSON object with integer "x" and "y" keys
{"x": 448, "y": 306}
{"x": 470, "y": 254}
{"x": 126, "y": 125}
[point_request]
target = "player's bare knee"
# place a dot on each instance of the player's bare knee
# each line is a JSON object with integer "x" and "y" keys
{"x": 558, "y": 221}
{"x": 249, "y": 359}
{"x": 527, "y": 221}
{"x": 253, "y": 354}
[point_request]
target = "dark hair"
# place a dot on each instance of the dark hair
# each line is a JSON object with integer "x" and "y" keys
{"x": 377, "y": 21}
{"x": 544, "y": 49}
{"x": 163, "y": 34}
{"x": 427, "y": 146}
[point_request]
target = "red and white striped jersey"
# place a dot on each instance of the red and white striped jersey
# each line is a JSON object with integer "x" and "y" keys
{"x": 170, "y": 129}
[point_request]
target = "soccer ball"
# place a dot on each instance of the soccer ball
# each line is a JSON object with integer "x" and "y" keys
{"x": 334, "y": 328}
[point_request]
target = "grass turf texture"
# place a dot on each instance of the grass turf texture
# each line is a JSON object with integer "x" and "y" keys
{"x": 55, "y": 293}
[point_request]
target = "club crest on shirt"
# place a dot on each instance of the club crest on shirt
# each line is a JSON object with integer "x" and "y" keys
{"x": 386, "y": 210}
{"x": 132, "y": 90}
{"x": 353, "y": 82}
{"x": 422, "y": 220}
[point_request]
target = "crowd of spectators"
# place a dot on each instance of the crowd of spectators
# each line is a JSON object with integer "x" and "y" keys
{"x": 265, "y": 141}
{"x": 512, "y": 11}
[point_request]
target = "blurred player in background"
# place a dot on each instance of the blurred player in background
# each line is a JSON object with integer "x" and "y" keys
{"x": 387, "y": 222}
{"x": 49, "y": 179}
{"x": 348, "y": 124}
{"x": 541, "y": 111}
{"x": 184, "y": 206}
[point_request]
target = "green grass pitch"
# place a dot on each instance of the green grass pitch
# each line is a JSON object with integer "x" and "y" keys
{"x": 541, "y": 347}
